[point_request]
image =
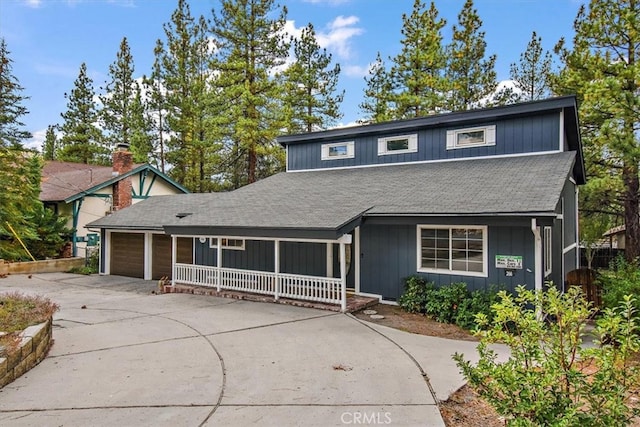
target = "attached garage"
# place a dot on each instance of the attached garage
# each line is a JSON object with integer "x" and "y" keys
{"x": 161, "y": 254}
{"x": 127, "y": 254}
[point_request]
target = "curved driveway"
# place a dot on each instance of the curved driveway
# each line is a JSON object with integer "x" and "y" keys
{"x": 124, "y": 356}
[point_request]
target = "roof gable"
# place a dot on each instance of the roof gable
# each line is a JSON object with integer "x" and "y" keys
{"x": 68, "y": 181}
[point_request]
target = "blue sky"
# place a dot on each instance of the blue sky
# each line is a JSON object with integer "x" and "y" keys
{"x": 49, "y": 39}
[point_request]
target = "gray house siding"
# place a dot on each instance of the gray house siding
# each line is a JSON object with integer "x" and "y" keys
{"x": 538, "y": 133}
{"x": 388, "y": 256}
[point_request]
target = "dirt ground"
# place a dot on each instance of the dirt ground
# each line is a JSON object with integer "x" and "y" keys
{"x": 464, "y": 408}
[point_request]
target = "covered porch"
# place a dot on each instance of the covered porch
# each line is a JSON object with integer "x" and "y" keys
{"x": 283, "y": 269}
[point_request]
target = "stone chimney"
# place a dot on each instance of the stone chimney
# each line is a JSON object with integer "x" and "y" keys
{"x": 122, "y": 163}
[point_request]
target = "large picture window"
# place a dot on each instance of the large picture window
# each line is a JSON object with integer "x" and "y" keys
{"x": 453, "y": 250}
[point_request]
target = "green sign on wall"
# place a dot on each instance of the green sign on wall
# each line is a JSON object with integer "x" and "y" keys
{"x": 509, "y": 261}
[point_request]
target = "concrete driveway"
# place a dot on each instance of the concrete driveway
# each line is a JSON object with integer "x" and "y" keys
{"x": 123, "y": 356}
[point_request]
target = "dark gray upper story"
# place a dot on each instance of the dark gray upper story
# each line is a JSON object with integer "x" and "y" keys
{"x": 534, "y": 127}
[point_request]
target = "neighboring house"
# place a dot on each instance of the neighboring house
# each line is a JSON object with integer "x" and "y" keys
{"x": 615, "y": 237}
{"x": 84, "y": 192}
{"x": 486, "y": 197}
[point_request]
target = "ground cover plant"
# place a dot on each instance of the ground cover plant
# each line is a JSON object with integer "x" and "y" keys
{"x": 551, "y": 378}
{"x": 19, "y": 311}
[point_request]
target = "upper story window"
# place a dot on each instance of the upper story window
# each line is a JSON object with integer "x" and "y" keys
{"x": 471, "y": 137}
{"x": 338, "y": 150}
{"x": 398, "y": 144}
{"x": 235, "y": 244}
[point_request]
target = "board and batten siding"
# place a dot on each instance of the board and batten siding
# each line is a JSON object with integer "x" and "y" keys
{"x": 388, "y": 256}
{"x": 537, "y": 133}
{"x": 295, "y": 257}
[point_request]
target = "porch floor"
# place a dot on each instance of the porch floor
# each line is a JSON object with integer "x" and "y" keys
{"x": 354, "y": 302}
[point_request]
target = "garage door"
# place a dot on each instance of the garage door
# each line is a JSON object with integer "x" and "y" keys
{"x": 161, "y": 250}
{"x": 127, "y": 254}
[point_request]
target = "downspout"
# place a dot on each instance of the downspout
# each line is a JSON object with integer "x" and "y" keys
{"x": 537, "y": 239}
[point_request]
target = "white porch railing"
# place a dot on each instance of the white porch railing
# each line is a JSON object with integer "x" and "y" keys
{"x": 294, "y": 286}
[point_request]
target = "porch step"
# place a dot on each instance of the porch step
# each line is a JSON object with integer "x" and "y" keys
{"x": 354, "y": 302}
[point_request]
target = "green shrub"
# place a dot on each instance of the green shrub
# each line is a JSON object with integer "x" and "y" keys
{"x": 417, "y": 293}
{"x": 622, "y": 278}
{"x": 447, "y": 304}
{"x": 548, "y": 379}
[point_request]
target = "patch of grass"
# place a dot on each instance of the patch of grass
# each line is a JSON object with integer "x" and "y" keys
{"x": 19, "y": 311}
{"x": 86, "y": 270}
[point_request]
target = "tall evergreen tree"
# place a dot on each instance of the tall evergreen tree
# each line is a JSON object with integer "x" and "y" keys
{"x": 252, "y": 48}
{"x": 50, "y": 143}
{"x": 155, "y": 106}
{"x": 11, "y": 108}
{"x": 602, "y": 68}
{"x": 418, "y": 71}
{"x": 376, "y": 106}
{"x": 141, "y": 138}
{"x": 82, "y": 139}
{"x": 531, "y": 74}
{"x": 311, "y": 96}
{"x": 185, "y": 76}
{"x": 116, "y": 115}
{"x": 471, "y": 76}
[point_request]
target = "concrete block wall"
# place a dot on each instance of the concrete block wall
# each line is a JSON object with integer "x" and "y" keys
{"x": 33, "y": 347}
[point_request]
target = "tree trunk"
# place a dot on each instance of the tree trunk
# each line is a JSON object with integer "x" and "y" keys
{"x": 631, "y": 211}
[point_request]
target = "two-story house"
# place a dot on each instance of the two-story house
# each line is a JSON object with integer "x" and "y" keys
{"x": 486, "y": 197}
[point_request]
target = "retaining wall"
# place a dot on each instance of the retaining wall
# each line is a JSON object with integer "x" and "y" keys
{"x": 34, "y": 346}
{"x": 44, "y": 266}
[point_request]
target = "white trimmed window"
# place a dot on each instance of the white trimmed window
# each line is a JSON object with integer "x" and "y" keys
{"x": 548, "y": 251}
{"x": 338, "y": 150}
{"x": 471, "y": 137}
{"x": 453, "y": 250}
{"x": 234, "y": 244}
{"x": 398, "y": 144}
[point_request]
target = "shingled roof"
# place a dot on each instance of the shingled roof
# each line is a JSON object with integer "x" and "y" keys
{"x": 67, "y": 181}
{"x": 328, "y": 203}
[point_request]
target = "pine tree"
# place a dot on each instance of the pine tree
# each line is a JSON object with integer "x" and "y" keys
{"x": 311, "y": 86}
{"x": 11, "y": 108}
{"x": 471, "y": 76}
{"x": 155, "y": 106}
{"x": 418, "y": 71}
{"x": 141, "y": 138}
{"x": 531, "y": 74}
{"x": 602, "y": 68}
{"x": 116, "y": 114}
{"x": 185, "y": 76}
{"x": 377, "y": 106}
{"x": 252, "y": 48}
{"x": 82, "y": 140}
{"x": 49, "y": 146}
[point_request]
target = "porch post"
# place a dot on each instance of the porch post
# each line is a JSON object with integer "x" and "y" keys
{"x": 329, "y": 259}
{"x": 356, "y": 258}
{"x": 537, "y": 239}
{"x": 174, "y": 258}
{"x": 276, "y": 252}
{"x": 343, "y": 278}
{"x": 219, "y": 262}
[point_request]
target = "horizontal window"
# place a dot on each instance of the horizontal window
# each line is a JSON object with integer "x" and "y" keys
{"x": 452, "y": 250}
{"x": 471, "y": 137}
{"x": 398, "y": 144}
{"x": 234, "y": 244}
{"x": 338, "y": 150}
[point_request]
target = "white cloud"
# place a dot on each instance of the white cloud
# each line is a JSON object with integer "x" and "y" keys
{"x": 355, "y": 70}
{"x": 338, "y": 35}
{"x": 36, "y": 140}
{"x": 33, "y": 3}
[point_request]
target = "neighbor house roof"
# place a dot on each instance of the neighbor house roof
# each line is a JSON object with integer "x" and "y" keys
{"x": 328, "y": 203}
{"x": 68, "y": 181}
